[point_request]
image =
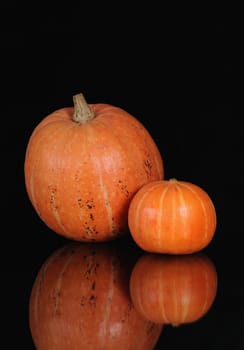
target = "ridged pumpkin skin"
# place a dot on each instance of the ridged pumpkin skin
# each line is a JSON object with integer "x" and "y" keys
{"x": 173, "y": 217}
{"x": 173, "y": 289}
{"x": 80, "y": 300}
{"x": 81, "y": 172}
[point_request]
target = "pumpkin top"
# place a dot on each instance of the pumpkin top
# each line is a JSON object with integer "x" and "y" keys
{"x": 82, "y": 111}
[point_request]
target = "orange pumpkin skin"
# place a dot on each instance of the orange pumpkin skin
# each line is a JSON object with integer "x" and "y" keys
{"x": 80, "y": 300}
{"x": 173, "y": 289}
{"x": 172, "y": 217}
{"x": 81, "y": 175}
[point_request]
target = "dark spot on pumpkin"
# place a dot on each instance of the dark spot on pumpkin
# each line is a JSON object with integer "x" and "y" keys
{"x": 113, "y": 228}
{"x": 92, "y": 217}
{"x": 92, "y": 300}
{"x": 123, "y": 188}
{"x": 151, "y": 326}
{"x": 79, "y": 200}
{"x": 53, "y": 192}
{"x": 93, "y": 287}
{"x": 96, "y": 267}
{"x": 148, "y": 166}
{"x": 90, "y": 203}
{"x": 82, "y": 302}
{"x": 91, "y": 267}
{"x": 90, "y": 230}
{"x": 55, "y": 302}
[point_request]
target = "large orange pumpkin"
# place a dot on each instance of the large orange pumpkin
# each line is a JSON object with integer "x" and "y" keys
{"x": 173, "y": 289}
{"x": 80, "y": 300}
{"x": 84, "y": 164}
{"x": 170, "y": 216}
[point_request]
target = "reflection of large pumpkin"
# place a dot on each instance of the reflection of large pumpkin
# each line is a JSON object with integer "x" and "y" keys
{"x": 84, "y": 164}
{"x": 173, "y": 289}
{"x": 80, "y": 300}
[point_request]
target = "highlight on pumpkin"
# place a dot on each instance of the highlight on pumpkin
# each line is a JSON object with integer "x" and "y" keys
{"x": 80, "y": 300}
{"x": 172, "y": 217}
{"x": 83, "y": 165}
{"x": 172, "y": 289}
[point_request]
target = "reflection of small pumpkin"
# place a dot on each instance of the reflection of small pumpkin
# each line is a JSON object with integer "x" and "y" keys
{"x": 173, "y": 217}
{"x": 173, "y": 289}
{"x": 80, "y": 300}
{"x": 84, "y": 164}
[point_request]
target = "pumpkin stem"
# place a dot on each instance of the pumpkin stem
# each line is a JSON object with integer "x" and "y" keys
{"x": 82, "y": 111}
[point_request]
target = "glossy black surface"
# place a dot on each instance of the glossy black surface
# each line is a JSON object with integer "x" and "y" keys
{"x": 175, "y": 76}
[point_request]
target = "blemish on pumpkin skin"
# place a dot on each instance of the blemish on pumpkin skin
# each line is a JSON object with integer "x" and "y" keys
{"x": 113, "y": 229}
{"x": 54, "y": 208}
{"x": 92, "y": 300}
{"x": 56, "y": 302}
{"x": 123, "y": 188}
{"x": 148, "y": 167}
{"x": 53, "y": 193}
{"x": 79, "y": 200}
{"x": 82, "y": 302}
{"x": 90, "y": 268}
{"x": 90, "y": 230}
{"x": 90, "y": 203}
{"x": 151, "y": 327}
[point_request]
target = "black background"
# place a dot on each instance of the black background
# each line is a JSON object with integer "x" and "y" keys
{"x": 169, "y": 67}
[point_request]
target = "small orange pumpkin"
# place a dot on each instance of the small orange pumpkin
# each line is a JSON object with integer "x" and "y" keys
{"x": 173, "y": 217}
{"x": 80, "y": 299}
{"x": 173, "y": 289}
{"x": 84, "y": 164}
